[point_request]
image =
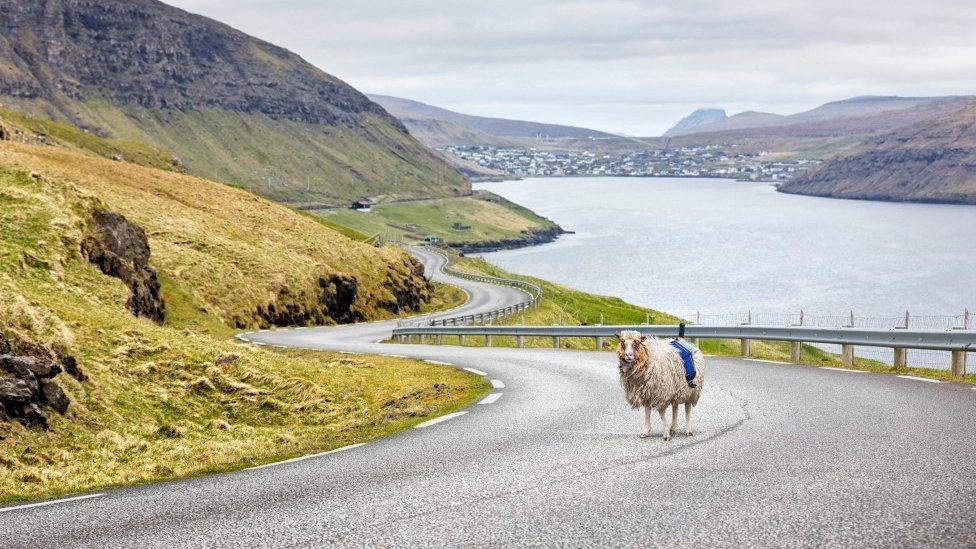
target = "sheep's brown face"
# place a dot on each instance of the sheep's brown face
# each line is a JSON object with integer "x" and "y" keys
{"x": 628, "y": 351}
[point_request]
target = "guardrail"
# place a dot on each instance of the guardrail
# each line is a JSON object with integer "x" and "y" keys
{"x": 534, "y": 294}
{"x": 959, "y": 342}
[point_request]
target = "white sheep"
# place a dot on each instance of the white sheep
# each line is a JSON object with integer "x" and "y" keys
{"x": 652, "y": 375}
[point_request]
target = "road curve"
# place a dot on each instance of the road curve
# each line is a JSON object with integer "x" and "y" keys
{"x": 784, "y": 455}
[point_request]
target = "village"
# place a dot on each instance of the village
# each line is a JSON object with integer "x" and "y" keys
{"x": 698, "y": 161}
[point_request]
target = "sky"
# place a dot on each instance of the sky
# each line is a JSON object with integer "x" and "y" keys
{"x": 630, "y": 67}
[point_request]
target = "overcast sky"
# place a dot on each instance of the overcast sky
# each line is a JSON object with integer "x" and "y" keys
{"x": 622, "y": 66}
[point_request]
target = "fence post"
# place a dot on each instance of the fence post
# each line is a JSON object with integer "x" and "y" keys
{"x": 745, "y": 343}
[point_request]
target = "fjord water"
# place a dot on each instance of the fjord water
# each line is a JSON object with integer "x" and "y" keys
{"x": 721, "y": 246}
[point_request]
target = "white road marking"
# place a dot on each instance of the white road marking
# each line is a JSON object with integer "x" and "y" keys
{"x": 439, "y": 362}
{"x": 476, "y": 372}
{"x": 769, "y": 361}
{"x": 437, "y": 420}
{"x": 52, "y": 502}
{"x": 497, "y": 384}
{"x": 921, "y": 379}
{"x": 310, "y": 456}
{"x": 491, "y": 398}
{"x": 842, "y": 369}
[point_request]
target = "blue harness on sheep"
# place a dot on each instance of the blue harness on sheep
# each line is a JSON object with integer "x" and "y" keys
{"x": 686, "y": 351}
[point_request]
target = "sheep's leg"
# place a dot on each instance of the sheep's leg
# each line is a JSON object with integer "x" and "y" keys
{"x": 688, "y": 430}
{"x": 647, "y": 423}
{"x": 664, "y": 419}
{"x": 674, "y": 418}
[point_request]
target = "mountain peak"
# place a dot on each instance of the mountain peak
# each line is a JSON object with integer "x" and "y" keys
{"x": 699, "y": 117}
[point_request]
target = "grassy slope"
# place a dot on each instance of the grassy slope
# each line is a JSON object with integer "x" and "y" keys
{"x": 283, "y": 160}
{"x": 489, "y": 216}
{"x": 562, "y": 305}
{"x": 157, "y": 406}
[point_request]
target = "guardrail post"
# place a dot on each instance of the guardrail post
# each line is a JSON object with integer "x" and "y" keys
{"x": 745, "y": 343}
{"x": 461, "y": 340}
{"x": 795, "y": 349}
{"x": 440, "y": 339}
{"x": 901, "y": 357}
{"x": 488, "y": 340}
{"x": 599, "y": 343}
{"x": 555, "y": 342}
{"x": 520, "y": 341}
{"x": 959, "y": 363}
{"x": 847, "y": 351}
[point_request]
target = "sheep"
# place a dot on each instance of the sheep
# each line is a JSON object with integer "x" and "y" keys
{"x": 653, "y": 376}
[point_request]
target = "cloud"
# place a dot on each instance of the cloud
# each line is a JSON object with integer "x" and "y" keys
{"x": 628, "y": 66}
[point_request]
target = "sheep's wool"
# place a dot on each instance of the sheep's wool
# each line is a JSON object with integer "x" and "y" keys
{"x": 657, "y": 379}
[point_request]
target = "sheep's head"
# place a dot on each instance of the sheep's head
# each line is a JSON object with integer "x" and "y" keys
{"x": 631, "y": 353}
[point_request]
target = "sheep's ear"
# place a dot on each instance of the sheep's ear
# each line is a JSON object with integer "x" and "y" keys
{"x": 643, "y": 338}
{"x": 619, "y": 335}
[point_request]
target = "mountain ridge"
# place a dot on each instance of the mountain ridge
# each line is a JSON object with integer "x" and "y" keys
{"x": 437, "y": 126}
{"x": 231, "y": 106}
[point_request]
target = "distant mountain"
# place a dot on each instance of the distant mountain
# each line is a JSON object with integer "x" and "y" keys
{"x": 932, "y": 161}
{"x": 230, "y": 106}
{"x": 439, "y": 127}
{"x": 697, "y": 118}
{"x": 854, "y": 116}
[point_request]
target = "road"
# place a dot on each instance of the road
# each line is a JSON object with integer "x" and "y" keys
{"x": 784, "y": 455}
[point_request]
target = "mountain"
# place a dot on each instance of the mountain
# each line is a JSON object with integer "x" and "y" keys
{"x": 229, "y": 106}
{"x": 854, "y": 116}
{"x": 699, "y": 117}
{"x": 439, "y": 127}
{"x": 933, "y": 161}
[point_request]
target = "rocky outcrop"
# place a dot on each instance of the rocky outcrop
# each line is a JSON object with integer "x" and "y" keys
{"x": 27, "y": 389}
{"x": 528, "y": 238}
{"x": 120, "y": 249}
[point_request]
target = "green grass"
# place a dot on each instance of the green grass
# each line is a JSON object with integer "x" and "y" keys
{"x": 157, "y": 405}
{"x": 35, "y": 129}
{"x": 489, "y": 217}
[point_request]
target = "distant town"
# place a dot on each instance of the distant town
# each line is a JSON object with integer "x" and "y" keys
{"x": 698, "y": 161}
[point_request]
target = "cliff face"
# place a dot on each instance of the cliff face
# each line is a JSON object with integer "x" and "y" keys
{"x": 230, "y": 106}
{"x": 933, "y": 161}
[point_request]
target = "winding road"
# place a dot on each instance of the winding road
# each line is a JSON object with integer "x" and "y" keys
{"x": 784, "y": 456}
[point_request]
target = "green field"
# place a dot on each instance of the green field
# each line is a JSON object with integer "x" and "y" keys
{"x": 485, "y": 217}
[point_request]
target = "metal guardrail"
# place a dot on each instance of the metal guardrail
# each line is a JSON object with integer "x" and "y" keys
{"x": 959, "y": 342}
{"x": 533, "y": 292}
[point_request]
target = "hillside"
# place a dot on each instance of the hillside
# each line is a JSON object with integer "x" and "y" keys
{"x": 437, "y": 127}
{"x": 934, "y": 161}
{"x": 230, "y": 107}
{"x": 134, "y": 279}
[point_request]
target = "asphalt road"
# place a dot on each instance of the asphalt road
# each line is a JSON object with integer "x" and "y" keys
{"x": 784, "y": 456}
